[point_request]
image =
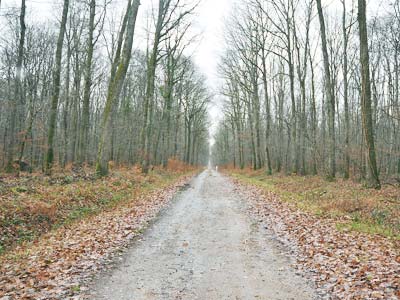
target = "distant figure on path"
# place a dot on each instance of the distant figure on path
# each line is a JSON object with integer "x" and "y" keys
{"x": 216, "y": 168}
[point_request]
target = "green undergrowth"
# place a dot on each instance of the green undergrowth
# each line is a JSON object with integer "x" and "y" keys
{"x": 352, "y": 206}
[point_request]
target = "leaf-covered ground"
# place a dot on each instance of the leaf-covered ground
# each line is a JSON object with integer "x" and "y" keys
{"x": 56, "y": 264}
{"x": 33, "y": 204}
{"x": 355, "y": 207}
{"x": 344, "y": 264}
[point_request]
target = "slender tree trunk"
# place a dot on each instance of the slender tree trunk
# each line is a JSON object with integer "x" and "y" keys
{"x": 166, "y": 122}
{"x": 330, "y": 100}
{"x": 84, "y": 134}
{"x": 74, "y": 130}
{"x": 117, "y": 79}
{"x": 67, "y": 105}
{"x": 177, "y": 129}
{"x": 189, "y": 142}
{"x": 151, "y": 74}
{"x": 293, "y": 121}
{"x": 301, "y": 73}
{"x": 313, "y": 120}
{"x": 256, "y": 109}
{"x": 366, "y": 97}
{"x": 346, "y": 96}
{"x": 281, "y": 99}
{"x": 253, "y": 144}
{"x": 234, "y": 142}
{"x": 56, "y": 91}
{"x": 29, "y": 125}
{"x": 18, "y": 94}
{"x": 267, "y": 115}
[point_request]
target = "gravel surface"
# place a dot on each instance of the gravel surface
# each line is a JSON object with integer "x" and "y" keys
{"x": 204, "y": 246}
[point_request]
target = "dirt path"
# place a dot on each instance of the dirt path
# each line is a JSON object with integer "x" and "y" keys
{"x": 205, "y": 246}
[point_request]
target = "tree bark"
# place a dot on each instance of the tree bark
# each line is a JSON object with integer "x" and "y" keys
{"x": 56, "y": 91}
{"x": 346, "y": 95}
{"x": 18, "y": 93}
{"x": 151, "y": 74}
{"x": 366, "y": 97}
{"x": 330, "y": 100}
{"x": 88, "y": 84}
{"x": 115, "y": 86}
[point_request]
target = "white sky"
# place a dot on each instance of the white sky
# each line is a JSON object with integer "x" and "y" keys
{"x": 212, "y": 15}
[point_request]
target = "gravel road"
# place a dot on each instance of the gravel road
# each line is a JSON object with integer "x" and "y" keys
{"x": 204, "y": 246}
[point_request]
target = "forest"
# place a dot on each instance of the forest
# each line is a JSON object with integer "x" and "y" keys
{"x": 77, "y": 93}
{"x": 312, "y": 89}
{"x": 199, "y": 149}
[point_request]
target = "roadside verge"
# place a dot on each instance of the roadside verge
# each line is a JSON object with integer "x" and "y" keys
{"x": 344, "y": 264}
{"x": 57, "y": 265}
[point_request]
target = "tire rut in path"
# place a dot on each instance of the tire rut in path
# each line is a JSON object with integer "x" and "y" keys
{"x": 204, "y": 246}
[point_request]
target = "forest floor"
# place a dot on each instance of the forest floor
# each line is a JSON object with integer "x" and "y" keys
{"x": 56, "y": 231}
{"x": 344, "y": 236}
{"x": 242, "y": 235}
{"x": 352, "y": 206}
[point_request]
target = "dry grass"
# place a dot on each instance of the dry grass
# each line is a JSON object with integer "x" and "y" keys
{"x": 354, "y": 206}
{"x": 175, "y": 165}
{"x": 33, "y": 204}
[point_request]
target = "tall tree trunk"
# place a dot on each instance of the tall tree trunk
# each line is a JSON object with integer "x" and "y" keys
{"x": 280, "y": 112}
{"x": 366, "y": 97}
{"x": 18, "y": 94}
{"x": 166, "y": 120}
{"x": 267, "y": 114}
{"x": 117, "y": 79}
{"x": 330, "y": 100}
{"x": 74, "y": 130}
{"x": 256, "y": 109}
{"x": 84, "y": 134}
{"x": 150, "y": 79}
{"x": 67, "y": 104}
{"x": 234, "y": 142}
{"x": 302, "y": 74}
{"x": 314, "y": 124}
{"x": 253, "y": 144}
{"x": 293, "y": 121}
{"x": 56, "y": 91}
{"x": 189, "y": 142}
{"x": 346, "y": 96}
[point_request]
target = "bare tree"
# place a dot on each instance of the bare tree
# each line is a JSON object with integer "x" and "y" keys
{"x": 366, "y": 97}
{"x": 88, "y": 82}
{"x": 346, "y": 91}
{"x": 56, "y": 90}
{"x": 98, "y": 107}
{"x": 329, "y": 95}
{"x": 120, "y": 68}
{"x": 18, "y": 93}
{"x": 304, "y": 113}
{"x": 167, "y": 20}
